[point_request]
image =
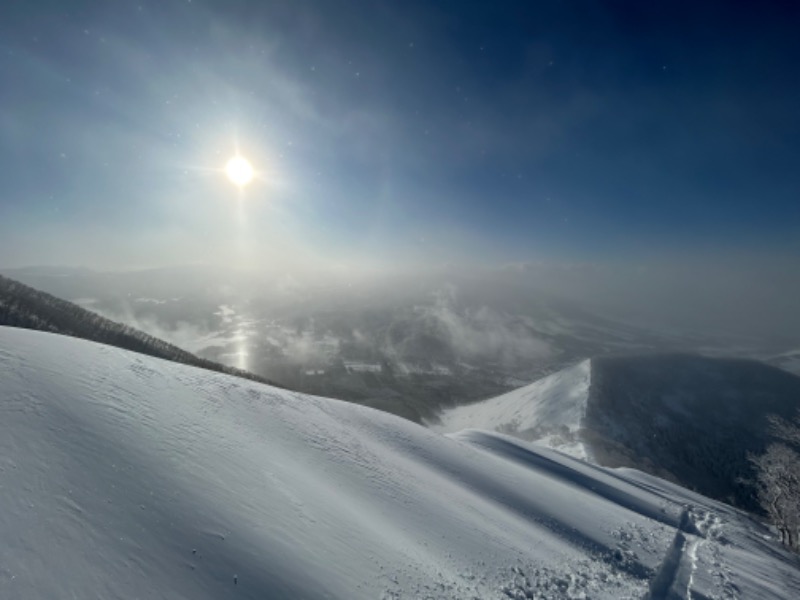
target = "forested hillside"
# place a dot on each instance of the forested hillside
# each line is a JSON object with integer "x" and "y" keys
{"x": 25, "y": 307}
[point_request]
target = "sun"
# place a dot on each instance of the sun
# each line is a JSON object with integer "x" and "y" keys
{"x": 239, "y": 170}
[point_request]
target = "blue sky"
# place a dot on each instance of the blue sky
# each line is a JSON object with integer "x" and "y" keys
{"x": 397, "y": 131}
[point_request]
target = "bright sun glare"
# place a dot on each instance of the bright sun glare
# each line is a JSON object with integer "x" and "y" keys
{"x": 239, "y": 171}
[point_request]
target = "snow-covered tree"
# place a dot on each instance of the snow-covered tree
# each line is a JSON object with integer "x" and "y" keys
{"x": 778, "y": 473}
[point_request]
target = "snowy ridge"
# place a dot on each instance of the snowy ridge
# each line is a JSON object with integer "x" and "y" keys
{"x": 692, "y": 419}
{"x": 549, "y": 411}
{"x": 790, "y": 361}
{"x": 125, "y": 476}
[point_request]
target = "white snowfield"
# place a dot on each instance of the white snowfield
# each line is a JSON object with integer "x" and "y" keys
{"x": 549, "y": 411}
{"x": 123, "y": 476}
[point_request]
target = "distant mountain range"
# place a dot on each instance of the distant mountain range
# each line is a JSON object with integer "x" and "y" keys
{"x": 691, "y": 419}
{"x": 28, "y": 308}
{"x": 407, "y": 343}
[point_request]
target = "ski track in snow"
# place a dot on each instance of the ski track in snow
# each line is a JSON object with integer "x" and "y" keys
{"x": 692, "y": 553}
{"x": 124, "y": 476}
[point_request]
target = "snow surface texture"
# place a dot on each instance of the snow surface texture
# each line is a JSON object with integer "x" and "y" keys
{"x": 124, "y": 476}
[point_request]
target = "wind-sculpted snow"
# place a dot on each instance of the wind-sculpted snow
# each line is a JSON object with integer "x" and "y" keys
{"x": 124, "y": 476}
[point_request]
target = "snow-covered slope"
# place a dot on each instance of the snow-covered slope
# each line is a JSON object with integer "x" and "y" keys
{"x": 691, "y": 419}
{"x": 549, "y": 411}
{"x": 124, "y": 476}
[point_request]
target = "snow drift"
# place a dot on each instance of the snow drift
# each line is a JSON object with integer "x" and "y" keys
{"x": 125, "y": 476}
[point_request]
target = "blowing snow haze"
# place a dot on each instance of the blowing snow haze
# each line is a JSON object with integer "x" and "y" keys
{"x": 413, "y": 342}
{"x": 574, "y": 223}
